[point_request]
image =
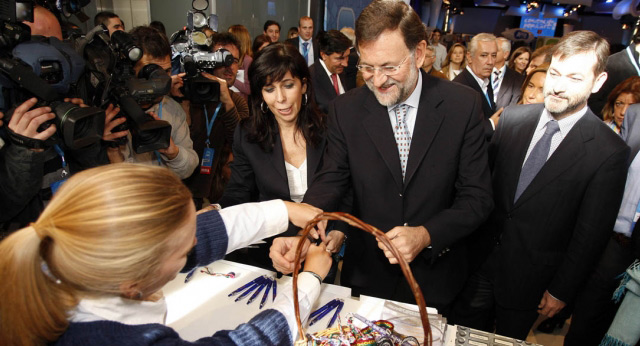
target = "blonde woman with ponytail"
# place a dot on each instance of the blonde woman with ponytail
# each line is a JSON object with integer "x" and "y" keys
{"x": 90, "y": 271}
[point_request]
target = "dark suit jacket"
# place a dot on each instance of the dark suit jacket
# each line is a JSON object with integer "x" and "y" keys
{"x": 619, "y": 68}
{"x": 351, "y": 71}
{"x": 260, "y": 176}
{"x": 446, "y": 188}
{"x": 509, "y": 92}
{"x": 465, "y": 78}
{"x": 323, "y": 86}
{"x": 631, "y": 135}
{"x": 316, "y": 50}
{"x": 552, "y": 236}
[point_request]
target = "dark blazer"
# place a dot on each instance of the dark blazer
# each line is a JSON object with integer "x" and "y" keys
{"x": 510, "y": 88}
{"x": 465, "y": 78}
{"x": 631, "y": 135}
{"x": 551, "y": 238}
{"x": 446, "y": 189}
{"x": 323, "y": 86}
{"x": 260, "y": 176}
{"x": 619, "y": 68}
{"x": 316, "y": 50}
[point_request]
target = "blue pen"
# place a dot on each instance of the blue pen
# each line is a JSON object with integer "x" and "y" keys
{"x": 266, "y": 293}
{"x": 329, "y": 305}
{"x": 333, "y": 319}
{"x": 255, "y": 285}
{"x": 190, "y": 274}
{"x": 275, "y": 288}
{"x": 258, "y": 290}
{"x": 245, "y": 286}
{"x": 321, "y": 315}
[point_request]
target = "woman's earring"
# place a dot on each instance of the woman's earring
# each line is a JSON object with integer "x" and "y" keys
{"x": 262, "y": 108}
{"x": 305, "y": 100}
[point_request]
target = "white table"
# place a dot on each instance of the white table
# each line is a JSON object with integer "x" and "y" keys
{"x": 201, "y": 307}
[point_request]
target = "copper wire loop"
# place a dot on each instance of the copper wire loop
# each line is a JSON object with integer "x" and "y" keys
{"x": 355, "y": 222}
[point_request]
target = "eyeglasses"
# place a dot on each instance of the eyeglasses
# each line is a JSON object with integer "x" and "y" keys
{"x": 385, "y": 70}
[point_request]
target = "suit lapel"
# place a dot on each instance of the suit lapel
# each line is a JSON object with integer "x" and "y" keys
{"x": 377, "y": 125}
{"x": 277, "y": 159}
{"x": 570, "y": 150}
{"x": 474, "y": 84}
{"x": 428, "y": 121}
{"x": 313, "y": 159}
{"x": 517, "y": 149}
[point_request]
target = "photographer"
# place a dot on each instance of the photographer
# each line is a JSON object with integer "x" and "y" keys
{"x": 233, "y": 107}
{"x": 21, "y": 168}
{"x": 179, "y": 156}
{"x": 30, "y": 168}
{"x": 110, "y": 20}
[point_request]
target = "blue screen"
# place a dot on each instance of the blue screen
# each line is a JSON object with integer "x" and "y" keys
{"x": 539, "y": 26}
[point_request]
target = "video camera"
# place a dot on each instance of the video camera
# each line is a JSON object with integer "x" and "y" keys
{"x": 111, "y": 61}
{"x": 193, "y": 49}
{"x": 45, "y": 69}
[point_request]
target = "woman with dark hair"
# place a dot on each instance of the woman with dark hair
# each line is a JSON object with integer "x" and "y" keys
{"x": 277, "y": 150}
{"x": 625, "y": 94}
{"x": 259, "y": 43}
{"x": 520, "y": 59}
{"x": 532, "y": 88}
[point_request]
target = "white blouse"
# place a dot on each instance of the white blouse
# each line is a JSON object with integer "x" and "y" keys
{"x": 297, "y": 178}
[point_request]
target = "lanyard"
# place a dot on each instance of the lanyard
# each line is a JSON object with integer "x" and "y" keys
{"x": 633, "y": 60}
{"x": 210, "y": 122}
{"x": 61, "y": 153}
{"x": 156, "y": 152}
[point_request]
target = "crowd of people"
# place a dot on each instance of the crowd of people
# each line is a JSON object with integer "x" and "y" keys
{"x": 507, "y": 178}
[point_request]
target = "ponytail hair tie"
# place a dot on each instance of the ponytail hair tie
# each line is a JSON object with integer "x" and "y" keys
{"x": 47, "y": 272}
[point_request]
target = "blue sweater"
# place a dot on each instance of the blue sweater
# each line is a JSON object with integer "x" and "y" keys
{"x": 266, "y": 328}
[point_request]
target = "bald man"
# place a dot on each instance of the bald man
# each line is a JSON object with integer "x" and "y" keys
{"x": 44, "y": 23}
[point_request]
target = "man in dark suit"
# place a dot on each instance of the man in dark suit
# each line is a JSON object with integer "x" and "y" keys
{"x": 412, "y": 148}
{"x": 327, "y": 74}
{"x": 594, "y": 309}
{"x": 558, "y": 176}
{"x": 506, "y": 82}
{"x": 307, "y": 46}
{"x": 481, "y": 59}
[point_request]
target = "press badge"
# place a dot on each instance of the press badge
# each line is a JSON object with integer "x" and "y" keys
{"x": 64, "y": 175}
{"x": 207, "y": 161}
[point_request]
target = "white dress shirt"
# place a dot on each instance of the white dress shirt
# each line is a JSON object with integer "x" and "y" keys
{"x": 412, "y": 111}
{"x": 297, "y": 179}
{"x": 329, "y": 74}
{"x": 566, "y": 124}
{"x": 310, "y": 52}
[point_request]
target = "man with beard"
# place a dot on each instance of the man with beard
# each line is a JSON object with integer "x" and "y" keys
{"x": 558, "y": 177}
{"x": 326, "y": 74}
{"x": 412, "y": 149}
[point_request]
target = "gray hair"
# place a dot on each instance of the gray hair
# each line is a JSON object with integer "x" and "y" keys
{"x": 504, "y": 44}
{"x": 350, "y": 33}
{"x": 484, "y": 37}
{"x": 432, "y": 49}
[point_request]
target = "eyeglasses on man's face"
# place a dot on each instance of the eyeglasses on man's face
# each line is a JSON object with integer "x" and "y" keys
{"x": 386, "y": 70}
